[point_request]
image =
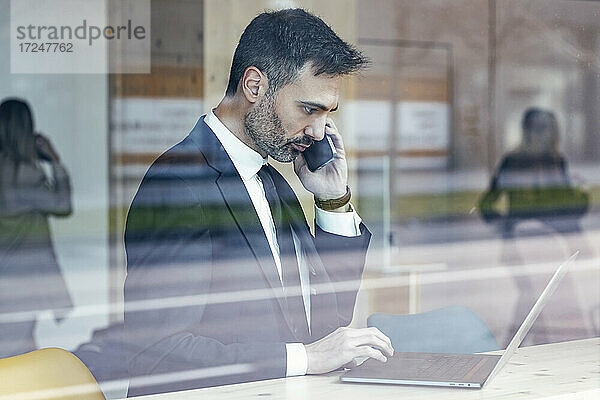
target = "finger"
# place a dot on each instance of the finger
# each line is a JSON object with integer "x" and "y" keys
{"x": 381, "y": 335}
{"x": 299, "y": 164}
{"x": 336, "y": 138}
{"x": 367, "y": 351}
{"x": 374, "y": 341}
{"x": 371, "y": 336}
{"x": 349, "y": 365}
{"x": 332, "y": 130}
{"x": 373, "y": 331}
{"x": 366, "y": 331}
{"x": 359, "y": 360}
{"x": 388, "y": 348}
{"x": 331, "y": 123}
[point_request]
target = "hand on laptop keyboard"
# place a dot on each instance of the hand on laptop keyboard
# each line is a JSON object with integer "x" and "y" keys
{"x": 344, "y": 345}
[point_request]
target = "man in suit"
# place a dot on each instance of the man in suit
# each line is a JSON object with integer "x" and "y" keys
{"x": 225, "y": 282}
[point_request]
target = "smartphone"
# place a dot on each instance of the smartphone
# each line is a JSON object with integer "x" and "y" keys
{"x": 318, "y": 154}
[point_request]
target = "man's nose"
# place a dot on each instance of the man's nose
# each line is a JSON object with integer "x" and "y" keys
{"x": 316, "y": 130}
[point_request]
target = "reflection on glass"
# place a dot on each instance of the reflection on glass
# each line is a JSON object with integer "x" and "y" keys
{"x": 30, "y": 278}
{"x": 443, "y": 108}
{"x": 535, "y": 180}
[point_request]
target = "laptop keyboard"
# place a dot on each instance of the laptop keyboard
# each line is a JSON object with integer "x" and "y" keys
{"x": 448, "y": 367}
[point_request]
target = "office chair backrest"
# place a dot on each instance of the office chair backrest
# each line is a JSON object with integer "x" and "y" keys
{"x": 47, "y": 374}
{"x": 447, "y": 330}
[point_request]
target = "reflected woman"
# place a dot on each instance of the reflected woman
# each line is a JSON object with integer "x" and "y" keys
{"x": 30, "y": 278}
{"x": 537, "y": 186}
{"x": 535, "y": 180}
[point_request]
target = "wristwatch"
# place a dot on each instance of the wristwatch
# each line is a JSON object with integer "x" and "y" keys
{"x": 332, "y": 204}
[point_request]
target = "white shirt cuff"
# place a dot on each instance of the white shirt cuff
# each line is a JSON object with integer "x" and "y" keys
{"x": 297, "y": 361}
{"x": 343, "y": 224}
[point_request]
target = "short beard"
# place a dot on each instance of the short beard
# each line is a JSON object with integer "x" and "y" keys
{"x": 266, "y": 131}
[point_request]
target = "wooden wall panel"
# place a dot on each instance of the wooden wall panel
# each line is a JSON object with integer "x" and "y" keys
{"x": 163, "y": 82}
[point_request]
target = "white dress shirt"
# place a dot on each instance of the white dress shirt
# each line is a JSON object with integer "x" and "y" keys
{"x": 248, "y": 162}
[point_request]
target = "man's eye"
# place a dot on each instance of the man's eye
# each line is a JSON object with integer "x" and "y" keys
{"x": 308, "y": 110}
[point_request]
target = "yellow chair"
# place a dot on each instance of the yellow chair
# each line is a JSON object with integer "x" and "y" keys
{"x": 47, "y": 374}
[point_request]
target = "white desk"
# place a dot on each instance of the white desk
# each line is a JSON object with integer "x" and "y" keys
{"x": 569, "y": 370}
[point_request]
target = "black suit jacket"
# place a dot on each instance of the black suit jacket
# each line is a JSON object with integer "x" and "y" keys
{"x": 202, "y": 292}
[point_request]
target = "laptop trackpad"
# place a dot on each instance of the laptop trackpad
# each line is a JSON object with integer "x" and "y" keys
{"x": 425, "y": 367}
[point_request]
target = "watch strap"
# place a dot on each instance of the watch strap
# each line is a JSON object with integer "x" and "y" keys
{"x": 333, "y": 204}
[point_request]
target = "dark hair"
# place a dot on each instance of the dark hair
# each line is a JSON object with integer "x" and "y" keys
{"x": 530, "y": 117}
{"x": 17, "y": 139}
{"x": 280, "y": 43}
{"x": 539, "y": 124}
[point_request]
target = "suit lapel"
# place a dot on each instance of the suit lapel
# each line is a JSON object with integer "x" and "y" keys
{"x": 238, "y": 202}
{"x": 240, "y": 206}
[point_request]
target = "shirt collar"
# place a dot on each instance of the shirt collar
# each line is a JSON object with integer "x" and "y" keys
{"x": 247, "y": 161}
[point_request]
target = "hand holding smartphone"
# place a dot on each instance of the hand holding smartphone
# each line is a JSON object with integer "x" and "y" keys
{"x": 330, "y": 182}
{"x": 319, "y": 154}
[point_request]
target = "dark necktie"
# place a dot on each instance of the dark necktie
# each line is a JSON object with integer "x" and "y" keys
{"x": 272, "y": 197}
{"x": 287, "y": 253}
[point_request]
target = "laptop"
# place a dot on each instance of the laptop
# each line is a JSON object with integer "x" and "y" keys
{"x": 451, "y": 370}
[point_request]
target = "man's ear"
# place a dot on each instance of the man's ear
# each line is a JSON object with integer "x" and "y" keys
{"x": 254, "y": 84}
